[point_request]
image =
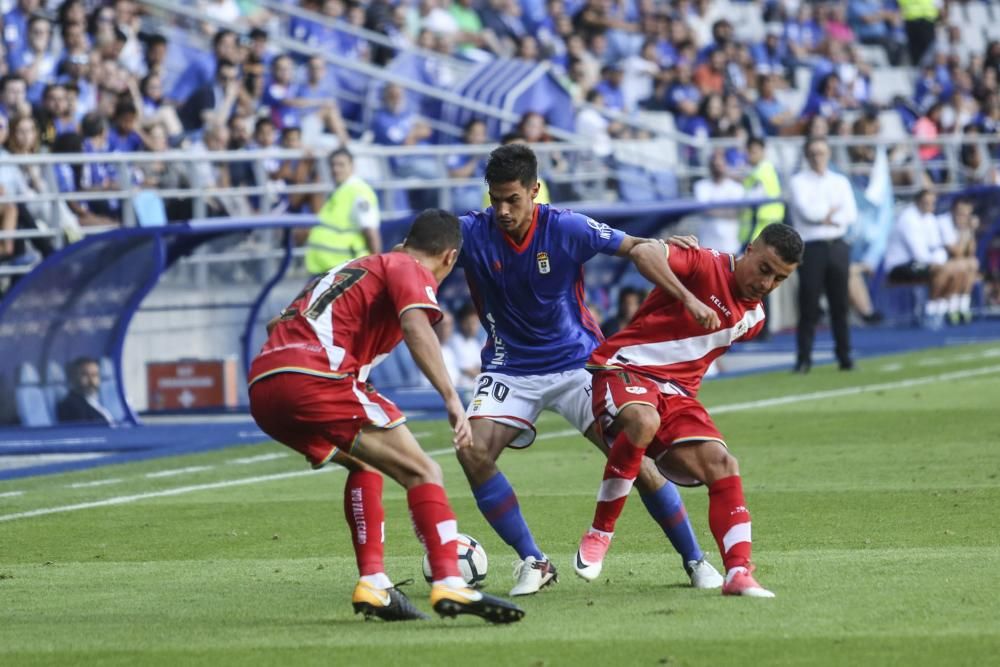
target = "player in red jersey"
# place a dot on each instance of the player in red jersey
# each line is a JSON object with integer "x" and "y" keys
{"x": 309, "y": 390}
{"x": 645, "y": 388}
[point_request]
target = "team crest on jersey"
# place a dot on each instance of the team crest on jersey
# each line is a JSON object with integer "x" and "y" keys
{"x": 741, "y": 328}
{"x": 636, "y": 390}
{"x": 543, "y": 262}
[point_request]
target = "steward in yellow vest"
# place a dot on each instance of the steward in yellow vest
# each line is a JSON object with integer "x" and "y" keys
{"x": 348, "y": 221}
{"x": 760, "y": 183}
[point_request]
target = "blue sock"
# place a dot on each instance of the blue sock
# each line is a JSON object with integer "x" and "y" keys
{"x": 498, "y": 503}
{"x": 667, "y": 509}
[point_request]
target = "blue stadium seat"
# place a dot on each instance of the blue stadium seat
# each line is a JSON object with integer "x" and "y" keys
{"x": 32, "y": 405}
{"x": 150, "y": 211}
{"x": 55, "y": 385}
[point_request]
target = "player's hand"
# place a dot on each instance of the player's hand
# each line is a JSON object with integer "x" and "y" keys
{"x": 688, "y": 241}
{"x": 703, "y": 315}
{"x": 461, "y": 430}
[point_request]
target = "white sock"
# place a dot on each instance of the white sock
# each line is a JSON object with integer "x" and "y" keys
{"x": 452, "y": 582}
{"x": 937, "y": 307}
{"x": 600, "y": 532}
{"x": 378, "y": 580}
{"x": 954, "y": 303}
{"x": 965, "y": 303}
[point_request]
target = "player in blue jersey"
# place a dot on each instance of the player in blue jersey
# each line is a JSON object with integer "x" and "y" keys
{"x": 524, "y": 264}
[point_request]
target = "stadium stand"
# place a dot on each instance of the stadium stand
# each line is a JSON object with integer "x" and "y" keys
{"x": 83, "y": 111}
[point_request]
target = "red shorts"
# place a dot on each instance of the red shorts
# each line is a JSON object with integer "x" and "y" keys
{"x": 682, "y": 418}
{"x": 317, "y": 416}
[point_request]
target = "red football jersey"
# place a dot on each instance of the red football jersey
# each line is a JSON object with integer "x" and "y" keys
{"x": 665, "y": 343}
{"x": 348, "y": 321}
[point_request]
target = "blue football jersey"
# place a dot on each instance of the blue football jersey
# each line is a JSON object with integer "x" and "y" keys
{"x": 530, "y": 296}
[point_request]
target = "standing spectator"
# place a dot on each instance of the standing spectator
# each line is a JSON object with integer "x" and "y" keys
{"x": 718, "y": 228}
{"x": 348, "y": 221}
{"x": 919, "y": 19}
{"x": 822, "y": 207}
{"x": 466, "y": 198}
{"x": 762, "y": 181}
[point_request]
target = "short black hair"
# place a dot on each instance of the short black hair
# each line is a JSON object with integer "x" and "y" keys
{"x": 785, "y": 241}
{"x": 92, "y": 125}
{"x": 961, "y": 201}
{"x": 342, "y": 151}
{"x": 434, "y": 231}
{"x": 513, "y": 162}
{"x": 511, "y": 137}
{"x": 755, "y": 141}
{"x": 219, "y": 36}
{"x": 80, "y": 362}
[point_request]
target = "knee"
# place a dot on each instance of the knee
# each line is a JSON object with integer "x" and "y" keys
{"x": 426, "y": 471}
{"x": 721, "y": 464}
{"x": 641, "y": 425}
{"x": 476, "y": 462}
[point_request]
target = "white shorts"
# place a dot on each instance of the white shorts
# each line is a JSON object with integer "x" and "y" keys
{"x": 517, "y": 400}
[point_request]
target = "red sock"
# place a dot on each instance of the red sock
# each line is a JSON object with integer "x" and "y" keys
{"x": 435, "y": 525}
{"x": 729, "y": 520}
{"x": 366, "y": 517}
{"x": 620, "y": 472}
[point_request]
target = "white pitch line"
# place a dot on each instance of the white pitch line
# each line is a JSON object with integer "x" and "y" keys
{"x": 734, "y": 407}
{"x": 177, "y": 471}
{"x": 259, "y": 458}
{"x": 890, "y": 368}
{"x": 11, "y": 494}
{"x": 853, "y": 391}
{"x": 99, "y": 482}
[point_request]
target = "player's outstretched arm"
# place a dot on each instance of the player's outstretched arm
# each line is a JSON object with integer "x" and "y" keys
{"x": 426, "y": 350}
{"x": 651, "y": 260}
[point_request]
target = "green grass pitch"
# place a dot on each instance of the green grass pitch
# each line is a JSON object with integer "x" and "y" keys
{"x": 872, "y": 512}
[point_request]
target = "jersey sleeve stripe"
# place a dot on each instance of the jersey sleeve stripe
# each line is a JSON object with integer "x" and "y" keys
{"x": 425, "y": 306}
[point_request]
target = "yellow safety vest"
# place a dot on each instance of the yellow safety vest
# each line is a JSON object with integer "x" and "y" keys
{"x": 765, "y": 175}
{"x": 542, "y": 198}
{"x": 338, "y": 238}
{"x": 914, "y": 10}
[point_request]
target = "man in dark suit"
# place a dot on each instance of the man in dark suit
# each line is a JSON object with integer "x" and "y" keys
{"x": 82, "y": 403}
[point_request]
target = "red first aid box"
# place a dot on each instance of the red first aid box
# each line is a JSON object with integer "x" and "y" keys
{"x": 191, "y": 384}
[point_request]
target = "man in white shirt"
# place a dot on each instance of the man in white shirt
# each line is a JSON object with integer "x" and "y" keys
{"x": 719, "y": 228}
{"x": 822, "y": 208}
{"x": 924, "y": 248}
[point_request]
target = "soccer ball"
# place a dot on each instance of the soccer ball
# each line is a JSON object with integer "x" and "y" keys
{"x": 472, "y": 561}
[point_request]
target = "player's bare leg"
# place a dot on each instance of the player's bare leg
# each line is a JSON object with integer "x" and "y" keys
{"x": 665, "y": 506}
{"x": 636, "y": 426}
{"x": 710, "y": 462}
{"x": 497, "y": 501}
{"x": 396, "y": 453}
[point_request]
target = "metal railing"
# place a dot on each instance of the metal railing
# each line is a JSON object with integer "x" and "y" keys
{"x": 570, "y": 164}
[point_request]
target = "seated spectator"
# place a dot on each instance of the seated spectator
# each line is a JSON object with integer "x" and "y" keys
{"x": 977, "y": 168}
{"x": 212, "y": 102}
{"x": 719, "y": 228}
{"x": 54, "y": 115}
{"x": 928, "y": 127}
{"x": 36, "y": 63}
{"x": 875, "y": 23}
{"x": 83, "y": 402}
{"x": 8, "y": 224}
{"x": 264, "y": 137}
{"x": 14, "y": 96}
{"x": 315, "y": 96}
{"x": 15, "y": 26}
{"x": 629, "y": 300}
{"x": 98, "y": 176}
{"x": 591, "y": 123}
{"x": 125, "y": 135}
{"x": 610, "y": 88}
{"x": 164, "y": 175}
{"x": 394, "y": 124}
{"x": 296, "y": 172}
{"x": 958, "y": 232}
{"x": 918, "y": 253}
{"x": 775, "y": 117}
{"x": 466, "y": 346}
{"x": 464, "y": 165}
{"x": 212, "y": 176}
{"x": 203, "y": 69}
{"x": 640, "y": 76}
{"x": 710, "y": 76}
{"x": 835, "y": 24}
{"x": 147, "y": 98}
{"x": 68, "y": 177}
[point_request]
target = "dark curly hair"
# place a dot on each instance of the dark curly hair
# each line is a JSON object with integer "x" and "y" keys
{"x": 513, "y": 162}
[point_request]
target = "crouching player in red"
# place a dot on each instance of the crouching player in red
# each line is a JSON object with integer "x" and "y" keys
{"x": 308, "y": 390}
{"x": 646, "y": 380}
